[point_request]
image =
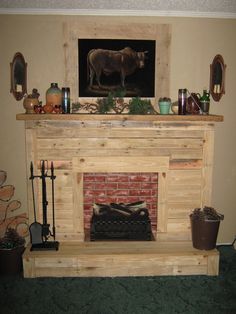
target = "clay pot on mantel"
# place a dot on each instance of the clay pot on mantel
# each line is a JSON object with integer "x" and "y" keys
{"x": 29, "y": 104}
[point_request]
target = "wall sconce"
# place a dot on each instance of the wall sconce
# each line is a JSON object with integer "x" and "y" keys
{"x": 217, "y": 77}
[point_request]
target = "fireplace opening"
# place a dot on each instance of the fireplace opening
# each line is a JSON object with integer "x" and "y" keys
{"x": 113, "y": 194}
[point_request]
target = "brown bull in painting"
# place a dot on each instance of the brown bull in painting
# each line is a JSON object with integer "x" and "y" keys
{"x": 125, "y": 62}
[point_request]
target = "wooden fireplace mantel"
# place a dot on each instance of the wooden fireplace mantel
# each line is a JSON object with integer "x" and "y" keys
{"x": 184, "y": 143}
{"x": 119, "y": 117}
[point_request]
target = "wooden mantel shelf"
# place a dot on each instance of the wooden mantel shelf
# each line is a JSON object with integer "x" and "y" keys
{"x": 120, "y": 117}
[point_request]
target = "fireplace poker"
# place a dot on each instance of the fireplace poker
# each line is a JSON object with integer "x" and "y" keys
{"x": 53, "y": 202}
{"x": 46, "y": 231}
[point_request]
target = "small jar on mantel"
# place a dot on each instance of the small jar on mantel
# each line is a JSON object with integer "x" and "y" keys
{"x": 29, "y": 104}
{"x": 53, "y": 95}
{"x": 31, "y": 101}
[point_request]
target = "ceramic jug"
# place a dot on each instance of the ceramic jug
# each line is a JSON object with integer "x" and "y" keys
{"x": 53, "y": 95}
{"x": 29, "y": 103}
{"x": 193, "y": 104}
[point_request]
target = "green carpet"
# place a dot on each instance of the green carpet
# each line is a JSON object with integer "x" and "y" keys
{"x": 133, "y": 295}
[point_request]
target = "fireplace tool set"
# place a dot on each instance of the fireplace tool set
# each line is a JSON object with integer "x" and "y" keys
{"x": 41, "y": 233}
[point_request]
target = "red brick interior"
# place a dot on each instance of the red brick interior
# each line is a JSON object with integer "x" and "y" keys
{"x": 109, "y": 188}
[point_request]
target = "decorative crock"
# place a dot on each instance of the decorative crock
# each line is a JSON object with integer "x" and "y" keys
{"x": 29, "y": 103}
{"x": 54, "y": 95}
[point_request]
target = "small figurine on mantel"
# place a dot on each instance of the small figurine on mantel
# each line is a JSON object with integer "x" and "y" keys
{"x": 31, "y": 101}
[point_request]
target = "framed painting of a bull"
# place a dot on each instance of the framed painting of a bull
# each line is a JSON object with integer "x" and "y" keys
{"x": 107, "y": 65}
{"x": 152, "y": 40}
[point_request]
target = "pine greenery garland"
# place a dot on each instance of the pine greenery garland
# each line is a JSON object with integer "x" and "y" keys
{"x": 141, "y": 106}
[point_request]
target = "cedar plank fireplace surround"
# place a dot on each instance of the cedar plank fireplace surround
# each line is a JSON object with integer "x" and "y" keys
{"x": 178, "y": 148}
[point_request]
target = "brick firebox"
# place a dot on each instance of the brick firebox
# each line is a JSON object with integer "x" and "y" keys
{"x": 121, "y": 187}
{"x": 110, "y": 168}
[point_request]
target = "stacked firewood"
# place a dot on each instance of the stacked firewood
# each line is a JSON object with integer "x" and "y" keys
{"x": 131, "y": 210}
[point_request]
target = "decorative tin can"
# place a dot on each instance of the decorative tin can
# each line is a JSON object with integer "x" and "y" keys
{"x": 182, "y": 101}
{"x": 65, "y": 100}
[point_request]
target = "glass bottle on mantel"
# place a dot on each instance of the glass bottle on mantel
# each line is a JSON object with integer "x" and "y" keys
{"x": 53, "y": 95}
{"x": 182, "y": 101}
{"x": 205, "y": 102}
{"x": 65, "y": 100}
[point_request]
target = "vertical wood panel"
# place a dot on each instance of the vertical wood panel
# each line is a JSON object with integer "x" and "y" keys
{"x": 78, "y": 204}
{"x": 162, "y": 216}
{"x": 31, "y": 156}
{"x": 208, "y": 152}
{"x": 213, "y": 265}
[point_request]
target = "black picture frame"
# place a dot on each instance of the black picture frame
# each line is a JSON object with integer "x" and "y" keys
{"x": 140, "y": 83}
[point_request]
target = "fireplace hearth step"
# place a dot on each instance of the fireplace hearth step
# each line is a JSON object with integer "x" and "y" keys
{"x": 120, "y": 258}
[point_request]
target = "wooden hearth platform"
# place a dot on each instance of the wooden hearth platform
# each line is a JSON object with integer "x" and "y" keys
{"x": 111, "y": 259}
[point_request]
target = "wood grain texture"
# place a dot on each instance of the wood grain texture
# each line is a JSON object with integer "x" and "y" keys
{"x": 178, "y": 148}
{"x": 90, "y": 259}
{"x": 124, "y": 118}
{"x": 182, "y": 148}
{"x": 160, "y": 33}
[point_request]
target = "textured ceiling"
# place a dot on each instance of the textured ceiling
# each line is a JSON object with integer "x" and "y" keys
{"x": 209, "y": 7}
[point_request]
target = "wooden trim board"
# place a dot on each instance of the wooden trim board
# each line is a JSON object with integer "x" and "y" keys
{"x": 161, "y": 33}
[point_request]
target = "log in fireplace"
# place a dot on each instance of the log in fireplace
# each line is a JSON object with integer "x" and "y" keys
{"x": 121, "y": 222}
{"x": 178, "y": 148}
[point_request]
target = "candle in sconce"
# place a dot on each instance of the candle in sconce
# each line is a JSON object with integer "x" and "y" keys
{"x": 217, "y": 89}
{"x": 19, "y": 88}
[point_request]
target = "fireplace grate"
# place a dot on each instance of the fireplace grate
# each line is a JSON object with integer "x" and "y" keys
{"x": 120, "y": 222}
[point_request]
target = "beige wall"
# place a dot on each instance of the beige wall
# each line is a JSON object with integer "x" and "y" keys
{"x": 194, "y": 44}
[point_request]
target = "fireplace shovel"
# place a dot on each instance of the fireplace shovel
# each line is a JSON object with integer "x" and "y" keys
{"x": 35, "y": 228}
